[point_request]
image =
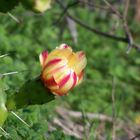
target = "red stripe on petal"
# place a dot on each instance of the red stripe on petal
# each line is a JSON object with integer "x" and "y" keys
{"x": 81, "y": 54}
{"x": 43, "y": 57}
{"x": 64, "y": 80}
{"x": 63, "y": 46}
{"x": 50, "y": 82}
{"x": 54, "y": 61}
{"x": 44, "y": 54}
{"x": 74, "y": 79}
{"x": 74, "y": 76}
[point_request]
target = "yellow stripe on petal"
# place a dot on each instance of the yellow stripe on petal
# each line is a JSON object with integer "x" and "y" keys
{"x": 67, "y": 86}
{"x": 77, "y": 62}
{"x": 64, "y": 53}
{"x": 53, "y": 68}
{"x": 72, "y": 60}
{"x": 58, "y": 76}
{"x": 80, "y": 77}
{"x": 81, "y": 62}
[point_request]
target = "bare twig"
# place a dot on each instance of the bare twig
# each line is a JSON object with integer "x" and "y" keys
{"x": 126, "y": 28}
{"x": 65, "y": 11}
{"x": 134, "y": 138}
{"x": 13, "y": 17}
{"x": 20, "y": 119}
{"x": 5, "y": 133}
{"x": 114, "y": 10}
{"x": 72, "y": 123}
{"x": 128, "y": 39}
{"x": 11, "y": 73}
{"x": 66, "y": 129}
{"x": 92, "y": 29}
{"x": 4, "y": 55}
{"x": 113, "y": 111}
{"x": 126, "y": 9}
{"x": 77, "y": 114}
{"x": 125, "y": 24}
{"x": 94, "y": 5}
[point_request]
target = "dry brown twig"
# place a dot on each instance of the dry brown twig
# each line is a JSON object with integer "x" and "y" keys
{"x": 123, "y": 18}
{"x": 61, "y": 123}
{"x": 127, "y": 39}
{"x": 78, "y": 114}
{"x": 113, "y": 111}
{"x": 72, "y": 123}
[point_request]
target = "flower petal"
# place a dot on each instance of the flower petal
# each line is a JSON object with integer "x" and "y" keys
{"x": 80, "y": 77}
{"x": 67, "y": 83}
{"x": 82, "y": 62}
{"x": 43, "y": 57}
{"x": 63, "y": 51}
{"x": 54, "y": 66}
{"x": 77, "y": 61}
{"x": 51, "y": 84}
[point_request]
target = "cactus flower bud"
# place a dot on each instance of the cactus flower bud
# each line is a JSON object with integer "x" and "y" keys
{"x": 62, "y": 69}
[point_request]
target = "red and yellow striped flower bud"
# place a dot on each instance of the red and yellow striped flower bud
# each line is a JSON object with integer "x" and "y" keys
{"x": 62, "y": 69}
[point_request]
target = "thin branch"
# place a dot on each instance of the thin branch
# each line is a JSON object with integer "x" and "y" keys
{"x": 127, "y": 39}
{"x": 20, "y": 118}
{"x": 5, "y": 133}
{"x": 13, "y": 17}
{"x": 65, "y": 11}
{"x": 114, "y": 10}
{"x": 75, "y": 4}
{"x": 94, "y": 5}
{"x": 126, "y": 9}
{"x": 65, "y": 128}
{"x": 4, "y": 55}
{"x": 97, "y": 31}
{"x": 113, "y": 111}
{"x": 11, "y": 73}
{"x": 135, "y": 137}
{"x": 125, "y": 24}
{"x": 90, "y": 28}
{"x": 77, "y": 114}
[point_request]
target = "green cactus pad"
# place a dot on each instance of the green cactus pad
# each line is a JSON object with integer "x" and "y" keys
{"x": 32, "y": 92}
{"x": 7, "y": 5}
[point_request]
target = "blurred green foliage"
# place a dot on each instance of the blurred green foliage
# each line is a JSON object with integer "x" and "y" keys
{"x": 107, "y": 59}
